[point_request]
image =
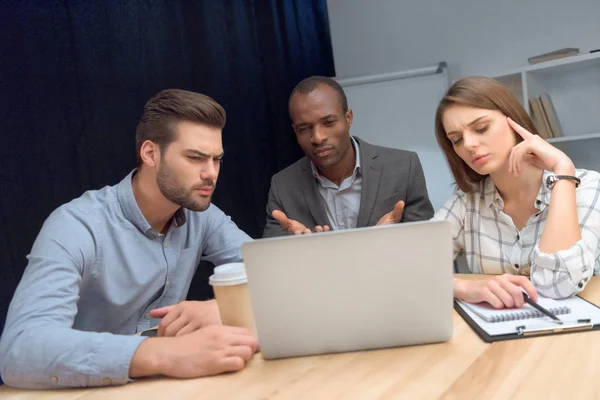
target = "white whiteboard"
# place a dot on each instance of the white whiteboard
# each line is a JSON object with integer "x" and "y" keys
{"x": 399, "y": 113}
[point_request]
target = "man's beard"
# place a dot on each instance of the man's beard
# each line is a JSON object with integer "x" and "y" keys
{"x": 167, "y": 183}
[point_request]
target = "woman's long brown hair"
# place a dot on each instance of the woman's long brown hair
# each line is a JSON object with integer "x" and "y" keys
{"x": 478, "y": 92}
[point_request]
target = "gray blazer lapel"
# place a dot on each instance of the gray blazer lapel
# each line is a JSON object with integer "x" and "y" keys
{"x": 371, "y": 177}
{"x": 313, "y": 199}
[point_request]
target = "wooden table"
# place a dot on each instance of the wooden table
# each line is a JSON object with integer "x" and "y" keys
{"x": 563, "y": 366}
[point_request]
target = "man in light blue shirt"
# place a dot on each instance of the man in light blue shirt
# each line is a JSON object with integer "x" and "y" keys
{"x": 106, "y": 264}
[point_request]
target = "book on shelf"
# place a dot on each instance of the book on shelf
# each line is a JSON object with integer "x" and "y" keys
{"x": 553, "y": 55}
{"x": 551, "y": 116}
{"x": 537, "y": 115}
{"x": 544, "y": 116}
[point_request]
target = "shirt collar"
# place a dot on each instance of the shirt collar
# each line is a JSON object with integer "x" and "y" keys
{"x": 132, "y": 211}
{"x": 490, "y": 195}
{"x": 356, "y": 170}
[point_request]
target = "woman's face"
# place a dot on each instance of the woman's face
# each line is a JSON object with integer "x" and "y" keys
{"x": 482, "y": 138}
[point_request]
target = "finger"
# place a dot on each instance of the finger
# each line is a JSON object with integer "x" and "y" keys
{"x": 237, "y": 330}
{"x": 243, "y": 337}
{"x": 517, "y": 154}
{"x": 168, "y": 320}
{"x": 281, "y": 218}
{"x": 518, "y": 160}
{"x": 524, "y": 151}
{"x": 526, "y": 284}
{"x": 161, "y": 312}
{"x": 318, "y": 228}
{"x": 325, "y": 228}
{"x": 244, "y": 352}
{"x": 534, "y": 160}
{"x": 189, "y": 328}
{"x": 511, "y": 160}
{"x": 513, "y": 290}
{"x": 492, "y": 299}
{"x": 230, "y": 364}
{"x": 305, "y": 231}
{"x": 502, "y": 294}
{"x": 174, "y": 327}
{"x": 524, "y": 133}
{"x": 296, "y": 228}
{"x": 398, "y": 210}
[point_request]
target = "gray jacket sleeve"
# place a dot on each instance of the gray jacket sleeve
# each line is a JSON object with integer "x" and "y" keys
{"x": 418, "y": 207}
{"x": 272, "y": 227}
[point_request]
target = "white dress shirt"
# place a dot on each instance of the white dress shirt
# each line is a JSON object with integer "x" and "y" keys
{"x": 342, "y": 202}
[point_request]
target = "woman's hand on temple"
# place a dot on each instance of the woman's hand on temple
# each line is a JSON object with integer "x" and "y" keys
{"x": 535, "y": 150}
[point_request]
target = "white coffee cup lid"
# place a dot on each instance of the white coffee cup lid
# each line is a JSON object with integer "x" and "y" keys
{"x": 228, "y": 275}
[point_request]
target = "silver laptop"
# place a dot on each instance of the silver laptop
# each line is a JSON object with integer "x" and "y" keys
{"x": 352, "y": 290}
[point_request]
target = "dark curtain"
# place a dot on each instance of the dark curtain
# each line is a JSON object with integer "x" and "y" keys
{"x": 75, "y": 74}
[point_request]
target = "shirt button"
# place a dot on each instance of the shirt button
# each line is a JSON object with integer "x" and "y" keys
{"x": 516, "y": 266}
{"x": 54, "y": 380}
{"x": 166, "y": 244}
{"x": 538, "y": 202}
{"x": 147, "y": 315}
{"x": 106, "y": 381}
{"x": 518, "y": 237}
{"x": 580, "y": 285}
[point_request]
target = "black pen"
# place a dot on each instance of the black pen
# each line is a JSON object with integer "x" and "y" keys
{"x": 540, "y": 308}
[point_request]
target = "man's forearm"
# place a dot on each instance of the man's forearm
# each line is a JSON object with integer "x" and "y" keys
{"x": 42, "y": 357}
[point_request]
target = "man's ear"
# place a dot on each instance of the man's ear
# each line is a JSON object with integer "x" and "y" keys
{"x": 349, "y": 117}
{"x": 150, "y": 153}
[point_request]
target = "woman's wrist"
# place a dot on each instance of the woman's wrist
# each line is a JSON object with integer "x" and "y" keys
{"x": 565, "y": 168}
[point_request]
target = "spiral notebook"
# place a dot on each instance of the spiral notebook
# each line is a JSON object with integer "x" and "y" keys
{"x": 490, "y": 314}
{"x": 492, "y": 324}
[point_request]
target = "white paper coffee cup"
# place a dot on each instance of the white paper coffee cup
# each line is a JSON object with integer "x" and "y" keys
{"x": 229, "y": 282}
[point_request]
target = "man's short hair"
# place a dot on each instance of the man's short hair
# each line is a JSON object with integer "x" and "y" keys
{"x": 309, "y": 84}
{"x": 168, "y": 107}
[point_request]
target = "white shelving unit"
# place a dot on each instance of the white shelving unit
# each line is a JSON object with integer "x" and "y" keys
{"x": 573, "y": 84}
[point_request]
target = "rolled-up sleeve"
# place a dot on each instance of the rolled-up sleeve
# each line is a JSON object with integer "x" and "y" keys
{"x": 38, "y": 348}
{"x": 566, "y": 272}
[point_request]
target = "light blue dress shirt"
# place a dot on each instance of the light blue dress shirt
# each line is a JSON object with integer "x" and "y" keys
{"x": 95, "y": 271}
{"x": 342, "y": 203}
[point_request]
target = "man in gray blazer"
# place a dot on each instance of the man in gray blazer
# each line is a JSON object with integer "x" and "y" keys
{"x": 343, "y": 182}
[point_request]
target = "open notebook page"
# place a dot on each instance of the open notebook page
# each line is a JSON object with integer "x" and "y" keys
{"x": 580, "y": 309}
{"x": 491, "y": 314}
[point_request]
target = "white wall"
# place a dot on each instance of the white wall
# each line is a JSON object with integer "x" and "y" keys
{"x": 473, "y": 36}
